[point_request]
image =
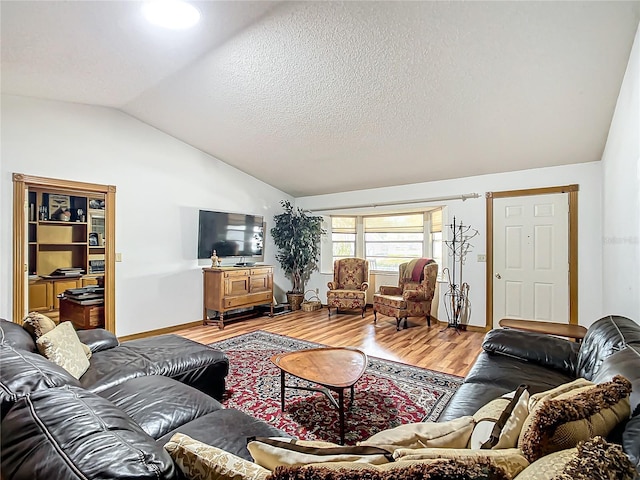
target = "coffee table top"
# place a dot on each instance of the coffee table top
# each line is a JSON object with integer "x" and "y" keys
{"x": 333, "y": 367}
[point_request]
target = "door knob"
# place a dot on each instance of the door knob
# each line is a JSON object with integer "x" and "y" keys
{"x": 498, "y": 276}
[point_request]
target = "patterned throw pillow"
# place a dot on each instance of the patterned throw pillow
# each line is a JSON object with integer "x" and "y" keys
{"x": 562, "y": 422}
{"x": 199, "y": 461}
{"x": 498, "y": 423}
{"x": 510, "y": 460}
{"x": 438, "y": 470}
{"x": 451, "y": 434}
{"x": 62, "y": 346}
{"x": 271, "y": 453}
{"x": 591, "y": 459}
{"x": 38, "y": 324}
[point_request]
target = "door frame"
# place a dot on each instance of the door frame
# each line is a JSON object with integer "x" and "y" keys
{"x": 21, "y": 183}
{"x": 572, "y": 191}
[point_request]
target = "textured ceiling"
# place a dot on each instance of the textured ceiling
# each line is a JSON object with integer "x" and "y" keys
{"x": 321, "y": 97}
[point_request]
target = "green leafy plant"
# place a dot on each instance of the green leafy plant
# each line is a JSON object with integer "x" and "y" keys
{"x": 297, "y": 236}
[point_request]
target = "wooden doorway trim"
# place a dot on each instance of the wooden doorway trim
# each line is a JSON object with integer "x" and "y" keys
{"x": 572, "y": 191}
{"x": 21, "y": 183}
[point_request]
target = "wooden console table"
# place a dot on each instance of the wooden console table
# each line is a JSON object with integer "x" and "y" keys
{"x": 232, "y": 288}
{"x": 551, "y": 328}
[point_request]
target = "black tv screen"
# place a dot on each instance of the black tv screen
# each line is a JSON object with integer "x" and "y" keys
{"x": 230, "y": 235}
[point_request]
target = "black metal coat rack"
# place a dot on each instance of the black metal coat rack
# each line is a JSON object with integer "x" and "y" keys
{"x": 457, "y": 295}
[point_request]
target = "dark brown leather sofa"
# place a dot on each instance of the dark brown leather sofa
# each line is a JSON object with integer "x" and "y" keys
{"x": 511, "y": 357}
{"x": 114, "y": 421}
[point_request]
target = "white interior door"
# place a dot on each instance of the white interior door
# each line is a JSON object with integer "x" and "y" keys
{"x": 531, "y": 257}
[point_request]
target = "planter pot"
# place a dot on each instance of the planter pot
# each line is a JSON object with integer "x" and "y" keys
{"x": 295, "y": 300}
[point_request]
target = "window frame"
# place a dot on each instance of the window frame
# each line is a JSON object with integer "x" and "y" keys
{"x": 428, "y": 242}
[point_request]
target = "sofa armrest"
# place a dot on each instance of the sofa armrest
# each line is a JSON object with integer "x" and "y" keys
{"x": 538, "y": 348}
{"x": 98, "y": 339}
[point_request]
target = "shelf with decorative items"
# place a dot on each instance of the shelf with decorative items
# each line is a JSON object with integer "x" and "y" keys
{"x": 60, "y": 252}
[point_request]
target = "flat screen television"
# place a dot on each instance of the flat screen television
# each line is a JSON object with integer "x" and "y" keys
{"x": 230, "y": 235}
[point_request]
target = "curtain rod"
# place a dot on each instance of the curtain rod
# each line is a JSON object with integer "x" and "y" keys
{"x": 462, "y": 197}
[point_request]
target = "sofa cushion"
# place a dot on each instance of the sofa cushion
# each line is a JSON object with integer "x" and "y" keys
{"x": 549, "y": 352}
{"x": 24, "y": 372}
{"x": 171, "y": 356}
{"x": 493, "y": 375}
{"x": 16, "y": 336}
{"x": 605, "y": 337}
{"x": 271, "y": 453}
{"x": 631, "y": 441}
{"x": 626, "y": 363}
{"x": 227, "y": 429}
{"x": 160, "y": 404}
{"x": 451, "y": 434}
{"x": 561, "y": 422}
{"x": 498, "y": 424}
{"x": 199, "y": 461}
{"x": 71, "y": 433}
{"x": 98, "y": 339}
{"x": 63, "y": 347}
{"x": 591, "y": 459}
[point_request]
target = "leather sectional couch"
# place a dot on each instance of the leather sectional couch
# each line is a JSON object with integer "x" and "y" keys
{"x": 512, "y": 357}
{"x": 114, "y": 420}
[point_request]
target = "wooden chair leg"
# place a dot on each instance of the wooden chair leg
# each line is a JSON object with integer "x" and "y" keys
{"x": 363, "y": 310}
{"x": 398, "y": 319}
{"x": 375, "y": 315}
{"x": 428, "y": 319}
{"x": 406, "y": 324}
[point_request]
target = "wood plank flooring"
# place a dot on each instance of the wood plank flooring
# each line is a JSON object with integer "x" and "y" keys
{"x": 435, "y": 347}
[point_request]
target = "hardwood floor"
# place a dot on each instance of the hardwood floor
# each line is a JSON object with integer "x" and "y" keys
{"x": 435, "y": 347}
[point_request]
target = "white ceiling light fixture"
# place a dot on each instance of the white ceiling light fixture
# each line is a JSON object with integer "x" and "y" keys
{"x": 173, "y": 14}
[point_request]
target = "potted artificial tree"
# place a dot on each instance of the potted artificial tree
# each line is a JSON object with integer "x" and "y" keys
{"x": 297, "y": 236}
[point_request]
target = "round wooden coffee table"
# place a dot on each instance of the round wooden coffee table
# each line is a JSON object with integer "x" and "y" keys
{"x": 333, "y": 368}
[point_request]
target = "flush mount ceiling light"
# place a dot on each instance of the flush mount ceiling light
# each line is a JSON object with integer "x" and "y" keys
{"x": 173, "y": 14}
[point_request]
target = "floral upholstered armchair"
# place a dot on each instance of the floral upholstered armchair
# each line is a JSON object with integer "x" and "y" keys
{"x": 413, "y": 295}
{"x": 349, "y": 286}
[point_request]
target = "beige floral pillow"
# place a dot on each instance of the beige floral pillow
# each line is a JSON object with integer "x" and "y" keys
{"x": 63, "y": 347}
{"x": 199, "y": 461}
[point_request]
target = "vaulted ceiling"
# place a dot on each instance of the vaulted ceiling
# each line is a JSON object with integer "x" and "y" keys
{"x": 322, "y": 97}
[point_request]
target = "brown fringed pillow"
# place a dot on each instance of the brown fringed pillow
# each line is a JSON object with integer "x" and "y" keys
{"x": 598, "y": 459}
{"x": 439, "y": 470}
{"x": 564, "y": 421}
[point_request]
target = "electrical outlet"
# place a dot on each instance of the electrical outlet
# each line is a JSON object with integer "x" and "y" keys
{"x": 317, "y": 290}
{"x": 482, "y": 258}
{"x": 118, "y": 257}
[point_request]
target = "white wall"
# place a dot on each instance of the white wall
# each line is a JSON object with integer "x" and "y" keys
{"x": 621, "y": 200}
{"x": 161, "y": 183}
{"x": 473, "y": 212}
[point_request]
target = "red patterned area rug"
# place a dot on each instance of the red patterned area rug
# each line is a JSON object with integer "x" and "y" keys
{"x": 388, "y": 394}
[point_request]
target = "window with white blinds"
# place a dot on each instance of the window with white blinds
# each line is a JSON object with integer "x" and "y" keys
{"x": 388, "y": 240}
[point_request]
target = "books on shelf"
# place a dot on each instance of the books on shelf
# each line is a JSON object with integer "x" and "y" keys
{"x": 67, "y": 272}
{"x": 89, "y": 295}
